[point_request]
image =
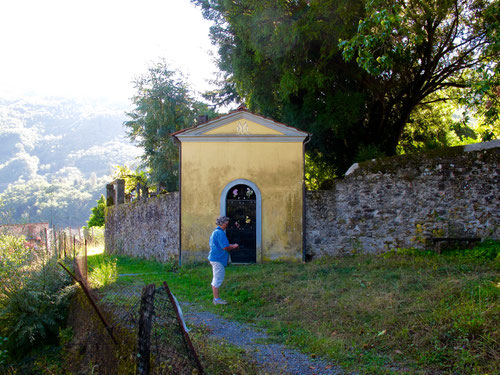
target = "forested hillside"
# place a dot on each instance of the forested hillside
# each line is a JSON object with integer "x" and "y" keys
{"x": 56, "y": 156}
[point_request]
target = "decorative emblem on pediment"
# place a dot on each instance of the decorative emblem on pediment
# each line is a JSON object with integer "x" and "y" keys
{"x": 242, "y": 128}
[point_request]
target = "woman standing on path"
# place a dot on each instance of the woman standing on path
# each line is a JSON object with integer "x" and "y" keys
{"x": 219, "y": 256}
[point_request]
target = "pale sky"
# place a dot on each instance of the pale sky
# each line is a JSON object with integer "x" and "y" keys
{"x": 94, "y": 48}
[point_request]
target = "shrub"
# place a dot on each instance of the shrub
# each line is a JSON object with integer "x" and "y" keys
{"x": 3, "y": 352}
{"x": 14, "y": 254}
{"x": 485, "y": 251}
{"x": 34, "y": 295}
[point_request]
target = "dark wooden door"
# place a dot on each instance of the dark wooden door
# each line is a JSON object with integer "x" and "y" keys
{"x": 241, "y": 209}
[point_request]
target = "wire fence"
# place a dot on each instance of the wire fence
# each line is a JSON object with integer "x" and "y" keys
{"x": 143, "y": 328}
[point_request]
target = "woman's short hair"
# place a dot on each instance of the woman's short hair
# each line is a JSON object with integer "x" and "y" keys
{"x": 221, "y": 220}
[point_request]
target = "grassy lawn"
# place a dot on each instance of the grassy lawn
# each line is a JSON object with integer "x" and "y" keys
{"x": 403, "y": 312}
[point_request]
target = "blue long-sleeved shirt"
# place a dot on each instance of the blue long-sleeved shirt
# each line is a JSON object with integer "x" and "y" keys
{"x": 218, "y": 241}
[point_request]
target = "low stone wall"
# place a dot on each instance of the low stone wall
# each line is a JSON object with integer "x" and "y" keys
{"x": 146, "y": 228}
{"x": 404, "y": 200}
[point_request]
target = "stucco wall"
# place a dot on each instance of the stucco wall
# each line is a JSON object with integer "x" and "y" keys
{"x": 146, "y": 229}
{"x": 276, "y": 168}
{"x": 402, "y": 201}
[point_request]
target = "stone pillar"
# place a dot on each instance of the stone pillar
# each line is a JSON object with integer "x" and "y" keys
{"x": 145, "y": 192}
{"x": 110, "y": 195}
{"x": 138, "y": 191}
{"x": 120, "y": 191}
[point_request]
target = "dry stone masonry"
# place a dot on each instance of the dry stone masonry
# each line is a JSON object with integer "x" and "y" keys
{"x": 145, "y": 228}
{"x": 403, "y": 201}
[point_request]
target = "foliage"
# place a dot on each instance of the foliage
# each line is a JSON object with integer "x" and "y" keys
{"x": 59, "y": 202}
{"x": 163, "y": 105}
{"x": 102, "y": 271}
{"x": 487, "y": 250}
{"x": 3, "y": 352}
{"x": 98, "y": 217}
{"x": 56, "y": 158}
{"x": 435, "y": 125}
{"x": 34, "y": 296}
{"x": 285, "y": 60}
{"x": 318, "y": 175}
{"x": 435, "y": 46}
{"x": 132, "y": 178}
{"x": 407, "y": 310}
{"x": 14, "y": 254}
{"x": 5, "y": 215}
{"x": 95, "y": 238}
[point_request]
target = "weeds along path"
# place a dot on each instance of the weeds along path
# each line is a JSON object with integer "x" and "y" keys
{"x": 272, "y": 358}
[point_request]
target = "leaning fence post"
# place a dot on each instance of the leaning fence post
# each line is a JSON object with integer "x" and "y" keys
{"x": 92, "y": 302}
{"x": 187, "y": 340}
{"x": 146, "y": 312}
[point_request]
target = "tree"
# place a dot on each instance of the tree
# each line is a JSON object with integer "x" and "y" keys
{"x": 349, "y": 71}
{"x": 413, "y": 49}
{"x": 131, "y": 178}
{"x": 163, "y": 105}
{"x": 98, "y": 216}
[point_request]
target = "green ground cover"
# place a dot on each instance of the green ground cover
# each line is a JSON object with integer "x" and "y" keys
{"x": 402, "y": 312}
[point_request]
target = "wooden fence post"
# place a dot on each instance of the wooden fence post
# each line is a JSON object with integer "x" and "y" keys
{"x": 46, "y": 241}
{"x": 146, "y": 312}
{"x": 85, "y": 266}
{"x": 65, "y": 245}
{"x": 55, "y": 242}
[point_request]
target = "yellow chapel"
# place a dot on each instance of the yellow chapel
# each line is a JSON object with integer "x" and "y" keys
{"x": 251, "y": 169}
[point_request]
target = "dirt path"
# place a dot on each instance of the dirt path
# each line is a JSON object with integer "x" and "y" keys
{"x": 271, "y": 358}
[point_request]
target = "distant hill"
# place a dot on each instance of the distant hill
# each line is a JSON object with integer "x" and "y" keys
{"x": 51, "y": 143}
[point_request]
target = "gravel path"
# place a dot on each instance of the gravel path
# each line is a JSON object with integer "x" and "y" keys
{"x": 271, "y": 358}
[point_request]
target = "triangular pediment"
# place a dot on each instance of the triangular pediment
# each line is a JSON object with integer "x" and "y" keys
{"x": 242, "y": 125}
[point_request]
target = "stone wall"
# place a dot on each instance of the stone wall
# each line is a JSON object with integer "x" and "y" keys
{"x": 384, "y": 204}
{"x": 404, "y": 200}
{"x": 145, "y": 228}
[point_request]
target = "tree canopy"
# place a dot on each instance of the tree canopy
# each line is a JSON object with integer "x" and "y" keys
{"x": 352, "y": 72}
{"x": 98, "y": 216}
{"x": 60, "y": 202}
{"x": 163, "y": 104}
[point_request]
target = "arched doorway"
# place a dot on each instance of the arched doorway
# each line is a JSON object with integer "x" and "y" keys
{"x": 241, "y": 202}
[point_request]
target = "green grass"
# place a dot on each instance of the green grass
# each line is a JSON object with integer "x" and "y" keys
{"x": 404, "y": 312}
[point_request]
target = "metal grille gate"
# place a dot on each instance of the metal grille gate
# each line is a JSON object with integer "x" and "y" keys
{"x": 241, "y": 209}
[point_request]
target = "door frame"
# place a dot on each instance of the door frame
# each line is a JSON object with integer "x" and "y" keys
{"x": 258, "y": 211}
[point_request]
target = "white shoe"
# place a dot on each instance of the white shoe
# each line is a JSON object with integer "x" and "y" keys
{"x": 219, "y": 301}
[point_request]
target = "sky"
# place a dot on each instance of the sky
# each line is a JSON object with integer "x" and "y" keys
{"x": 94, "y": 48}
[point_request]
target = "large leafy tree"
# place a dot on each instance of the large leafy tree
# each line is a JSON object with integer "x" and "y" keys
{"x": 163, "y": 104}
{"x": 351, "y": 71}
